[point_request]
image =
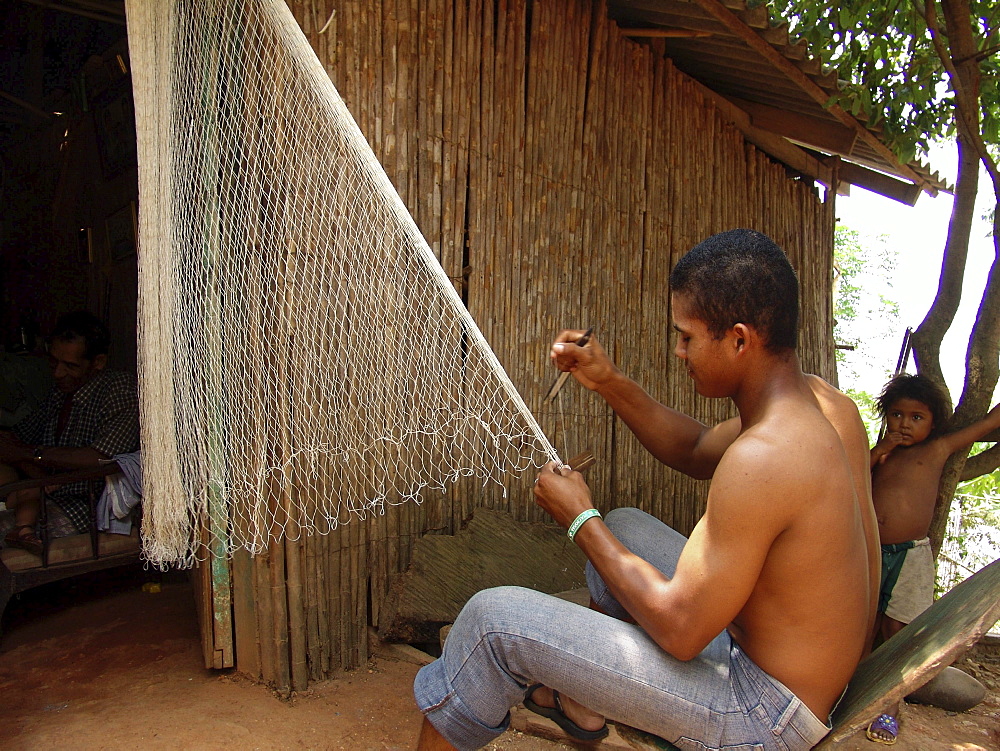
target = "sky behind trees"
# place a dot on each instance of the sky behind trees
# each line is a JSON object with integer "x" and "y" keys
{"x": 917, "y": 236}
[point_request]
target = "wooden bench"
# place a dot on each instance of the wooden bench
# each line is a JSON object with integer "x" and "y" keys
{"x": 903, "y": 664}
{"x": 64, "y": 556}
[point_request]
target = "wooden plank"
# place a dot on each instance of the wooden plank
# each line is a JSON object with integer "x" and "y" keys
{"x": 821, "y": 134}
{"x": 246, "y": 636}
{"x": 880, "y": 183}
{"x": 935, "y": 639}
{"x": 297, "y": 633}
{"x": 333, "y": 594}
{"x": 315, "y": 608}
{"x": 201, "y": 582}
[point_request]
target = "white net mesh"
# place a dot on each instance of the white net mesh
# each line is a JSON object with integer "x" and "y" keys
{"x": 303, "y": 356}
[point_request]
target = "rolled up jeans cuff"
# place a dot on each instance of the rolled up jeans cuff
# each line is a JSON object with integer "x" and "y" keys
{"x": 437, "y": 699}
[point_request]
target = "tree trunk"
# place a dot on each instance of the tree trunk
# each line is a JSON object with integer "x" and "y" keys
{"x": 929, "y": 335}
{"x": 927, "y": 338}
{"x": 982, "y": 361}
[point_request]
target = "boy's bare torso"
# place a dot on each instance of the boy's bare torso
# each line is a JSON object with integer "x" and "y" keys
{"x": 904, "y": 488}
{"x": 807, "y": 620}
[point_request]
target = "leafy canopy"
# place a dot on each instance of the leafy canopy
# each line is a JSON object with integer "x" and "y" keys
{"x": 892, "y": 74}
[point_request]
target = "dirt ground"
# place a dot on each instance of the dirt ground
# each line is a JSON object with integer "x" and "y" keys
{"x": 98, "y": 663}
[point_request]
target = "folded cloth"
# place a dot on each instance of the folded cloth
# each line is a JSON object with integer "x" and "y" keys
{"x": 122, "y": 493}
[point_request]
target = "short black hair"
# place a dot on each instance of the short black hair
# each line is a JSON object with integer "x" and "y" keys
{"x": 81, "y": 324}
{"x": 921, "y": 389}
{"x": 741, "y": 276}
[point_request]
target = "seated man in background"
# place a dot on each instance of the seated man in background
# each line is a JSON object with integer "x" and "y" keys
{"x": 91, "y": 414}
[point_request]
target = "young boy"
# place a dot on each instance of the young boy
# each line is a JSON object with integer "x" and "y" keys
{"x": 906, "y": 469}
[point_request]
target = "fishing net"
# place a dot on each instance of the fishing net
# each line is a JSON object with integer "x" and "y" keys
{"x": 304, "y": 359}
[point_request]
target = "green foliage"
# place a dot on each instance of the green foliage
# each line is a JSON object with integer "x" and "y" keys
{"x": 869, "y": 412}
{"x": 893, "y": 75}
{"x": 984, "y": 485}
{"x": 861, "y": 310}
{"x": 865, "y": 317}
{"x": 973, "y": 535}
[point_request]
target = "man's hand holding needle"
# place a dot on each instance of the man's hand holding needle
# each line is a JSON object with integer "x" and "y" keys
{"x": 587, "y": 362}
{"x": 561, "y": 380}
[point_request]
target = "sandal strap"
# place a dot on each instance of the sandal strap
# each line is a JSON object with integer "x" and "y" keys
{"x": 888, "y": 722}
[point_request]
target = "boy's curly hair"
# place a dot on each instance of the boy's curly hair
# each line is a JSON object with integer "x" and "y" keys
{"x": 919, "y": 388}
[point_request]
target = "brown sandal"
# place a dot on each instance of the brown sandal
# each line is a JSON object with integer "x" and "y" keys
{"x": 18, "y": 538}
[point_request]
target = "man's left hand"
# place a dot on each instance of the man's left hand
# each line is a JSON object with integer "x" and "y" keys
{"x": 562, "y": 493}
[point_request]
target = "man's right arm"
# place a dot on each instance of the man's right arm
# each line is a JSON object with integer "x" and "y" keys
{"x": 677, "y": 440}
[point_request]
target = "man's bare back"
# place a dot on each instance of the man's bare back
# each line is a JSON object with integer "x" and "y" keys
{"x": 812, "y": 444}
{"x": 842, "y": 413}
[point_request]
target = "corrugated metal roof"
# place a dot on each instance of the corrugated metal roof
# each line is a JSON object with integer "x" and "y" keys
{"x": 748, "y": 58}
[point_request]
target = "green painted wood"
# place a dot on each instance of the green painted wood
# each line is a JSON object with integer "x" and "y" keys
{"x": 919, "y": 652}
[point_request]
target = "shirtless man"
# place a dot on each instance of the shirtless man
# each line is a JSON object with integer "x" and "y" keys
{"x": 747, "y": 632}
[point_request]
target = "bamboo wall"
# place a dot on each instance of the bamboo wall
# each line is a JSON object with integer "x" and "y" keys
{"x": 565, "y": 169}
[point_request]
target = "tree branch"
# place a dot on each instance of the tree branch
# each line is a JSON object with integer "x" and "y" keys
{"x": 979, "y": 56}
{"x": 930, "y": 333}
{"x": 981, "y": 464}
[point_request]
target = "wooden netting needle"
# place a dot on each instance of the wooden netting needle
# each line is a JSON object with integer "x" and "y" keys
{"x": 581, "y": 462}
{"x": 566, "y": 374}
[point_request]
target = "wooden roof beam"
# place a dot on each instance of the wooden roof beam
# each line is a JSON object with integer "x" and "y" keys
{"x": 774, "y": 145}
{"x": 103, "y": 12}
{"x": 41, "y": 114}
{"x": 821, "y": 134}
{"x": 879, "y": 182}
{"x": 732, "y": 22}
{"x": 665, "y": 33}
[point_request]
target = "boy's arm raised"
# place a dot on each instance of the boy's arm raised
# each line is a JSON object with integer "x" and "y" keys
{"x": 677, "y": 440}
{"x": 971, "y": 433}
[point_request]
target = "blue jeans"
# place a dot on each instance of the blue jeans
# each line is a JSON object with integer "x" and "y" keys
{"x": 507, "y": 638}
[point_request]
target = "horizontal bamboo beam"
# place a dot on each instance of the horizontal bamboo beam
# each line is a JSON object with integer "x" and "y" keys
{"x": 665, "y": 33}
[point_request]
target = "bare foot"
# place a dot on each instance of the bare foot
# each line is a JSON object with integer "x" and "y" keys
{"x": 579, "y": 714}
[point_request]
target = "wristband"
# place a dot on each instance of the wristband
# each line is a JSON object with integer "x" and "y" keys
{"x": 578, "y": 522}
